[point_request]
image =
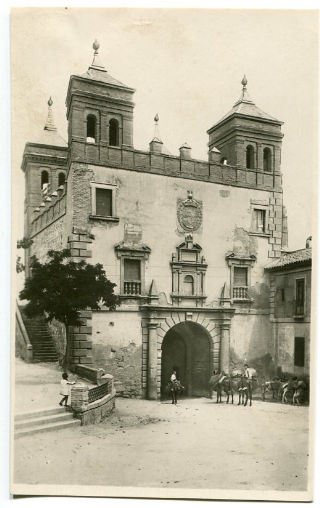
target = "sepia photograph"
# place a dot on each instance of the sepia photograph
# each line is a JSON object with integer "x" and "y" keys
{"x": 164, "y": 199}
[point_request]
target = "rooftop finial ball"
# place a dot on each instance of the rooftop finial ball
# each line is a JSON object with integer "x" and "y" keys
{"x": 96, "y": 45}
{"x": 50, "y": 102}
{"x": 244, "y": 81}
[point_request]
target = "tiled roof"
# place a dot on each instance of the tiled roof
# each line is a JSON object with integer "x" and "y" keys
{"x": 291, "y": 258}
{"x": 101, "y": 75}
{"x": 51, "y": 138}
{"x": 246, "y": 107}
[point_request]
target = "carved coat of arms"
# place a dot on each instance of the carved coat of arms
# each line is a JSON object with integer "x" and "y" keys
{"x": 189, "y": 212}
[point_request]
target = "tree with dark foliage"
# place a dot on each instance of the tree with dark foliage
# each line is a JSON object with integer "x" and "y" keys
{"x": 61, "y": 288}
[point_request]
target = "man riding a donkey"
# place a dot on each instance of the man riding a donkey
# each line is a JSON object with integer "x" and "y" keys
{"x": 241, "y": 382}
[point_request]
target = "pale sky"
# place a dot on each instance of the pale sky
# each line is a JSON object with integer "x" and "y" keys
{"x": 186, "y": 65}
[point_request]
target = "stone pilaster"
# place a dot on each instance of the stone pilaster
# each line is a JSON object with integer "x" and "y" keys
{"x": 224, "y": 346}
{"x": 152, "y": 360}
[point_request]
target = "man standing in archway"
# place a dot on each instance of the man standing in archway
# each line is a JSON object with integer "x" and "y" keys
{"x": 175, "y": 386}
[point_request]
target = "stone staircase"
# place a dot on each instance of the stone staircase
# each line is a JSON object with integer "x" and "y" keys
{"x": 44, "y": 420}
{"x": 40, "y": 338}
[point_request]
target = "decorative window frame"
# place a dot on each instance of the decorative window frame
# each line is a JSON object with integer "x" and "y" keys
{"x": 107, "y": 186}
{"x": 259, "y": 205}
{"x": 181, "y": 268}
{"x": 139, "y": 252}
{"x": 233, "y": 261}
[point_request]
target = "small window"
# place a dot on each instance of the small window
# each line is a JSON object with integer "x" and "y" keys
{"x": 132, "y": 276}
{"x": 267, "y": 159}
{"x": 188, "y": 285}
{"x": 114, "y": 132}
{"x": 103, "y": 202}
{"x": 299, "y": 310}
{"x": 240, "y": 282}
{"x": 299, "y": 351}
{"x": 224, "y": 161}
{"x": 44, "y": 180}
{"x": 282, "y": 295}
{"x": 91, "y": 129}
{"x": 259, "y": 221}
{"x": 61, "y": 179}
{"x": 249, "y": 157}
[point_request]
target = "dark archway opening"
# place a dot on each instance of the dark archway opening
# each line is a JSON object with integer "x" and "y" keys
{"x": 267, "y": 159}
{"x": 44, "y": 180}
{"x": 113, "y": 132}
{"x": 61, "y": 179}
{"x": 186, "y": 349}
{"x": 250, "y": 157}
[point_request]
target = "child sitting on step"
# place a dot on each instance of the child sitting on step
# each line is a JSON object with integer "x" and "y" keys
{"x": 64, "y": 389}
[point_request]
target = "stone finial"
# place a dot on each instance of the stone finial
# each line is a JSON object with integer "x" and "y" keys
{"x": 96, "y": 64}
{"x": 244, "y": 81}
{"x": 244, "y": 97}
{"x": 153, "y": 293}
{"x": 96, "y": 46}
{"x": 50, "y": 125}
{"x": 156, "y": 143}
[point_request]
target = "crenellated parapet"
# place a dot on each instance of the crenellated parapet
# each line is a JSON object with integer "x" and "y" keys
{"x": 51, "y": 209}
{"x": 178, "y": 167}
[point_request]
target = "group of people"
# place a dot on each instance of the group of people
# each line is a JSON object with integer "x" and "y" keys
{"x": 175, "y": 387}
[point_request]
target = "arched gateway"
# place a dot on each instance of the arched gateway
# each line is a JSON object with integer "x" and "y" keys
{"x": 195, "y": 342}
{"x": 187, "y": 347}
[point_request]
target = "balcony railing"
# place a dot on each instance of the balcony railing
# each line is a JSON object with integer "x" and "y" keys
{"x": 240, "y": 293}
{"x": 132, "y": 287}
{"x": 299, "y": 309}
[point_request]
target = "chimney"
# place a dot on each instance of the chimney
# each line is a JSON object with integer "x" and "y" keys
{"x": 185, "y": 151}
{"x": 309, "y": 242}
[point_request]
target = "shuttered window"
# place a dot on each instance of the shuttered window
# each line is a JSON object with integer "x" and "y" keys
{"x": 104, "y": 202}
{"x": 240, "y": 276}
{"x": 132, "y": 270}
{"x": 299, "y": 297}
{"x": 299, "y": 352}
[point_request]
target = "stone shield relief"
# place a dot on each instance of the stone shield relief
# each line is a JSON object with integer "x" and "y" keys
{"x": 189, "y": 214}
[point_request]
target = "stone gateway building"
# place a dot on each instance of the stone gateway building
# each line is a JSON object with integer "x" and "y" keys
{"x": 186, "y": 241}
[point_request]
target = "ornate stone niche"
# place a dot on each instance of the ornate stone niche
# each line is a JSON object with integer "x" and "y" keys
{"x": 240, "y": 276}
{"x": 133, "y": 256}
{"x": 188, "y": 267}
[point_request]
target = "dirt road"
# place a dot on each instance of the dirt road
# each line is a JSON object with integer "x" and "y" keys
{"x": 196, "y": 444}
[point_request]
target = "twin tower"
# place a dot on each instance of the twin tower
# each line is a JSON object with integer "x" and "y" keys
{"x": 244, "y": 146}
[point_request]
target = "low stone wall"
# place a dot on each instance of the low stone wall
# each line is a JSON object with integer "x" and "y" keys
{"x": 93, "y": 404}
{"x": 97, "y": 411}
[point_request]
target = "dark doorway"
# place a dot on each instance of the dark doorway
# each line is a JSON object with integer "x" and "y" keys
{"x": 186, "y": 349}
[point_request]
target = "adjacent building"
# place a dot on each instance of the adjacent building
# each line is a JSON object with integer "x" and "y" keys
{"x": 290, "y": 310}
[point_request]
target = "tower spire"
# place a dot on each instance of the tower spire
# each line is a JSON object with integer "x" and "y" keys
{"x": 244, "y": 97}
{"x": 50, "y": 125}
{"x": 96, "y": 64}
{"x": 156, "y": 136}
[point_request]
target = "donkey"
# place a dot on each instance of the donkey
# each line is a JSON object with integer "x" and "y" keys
{"x": 245, "y": 389}
{"x": 224, "y": 383}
